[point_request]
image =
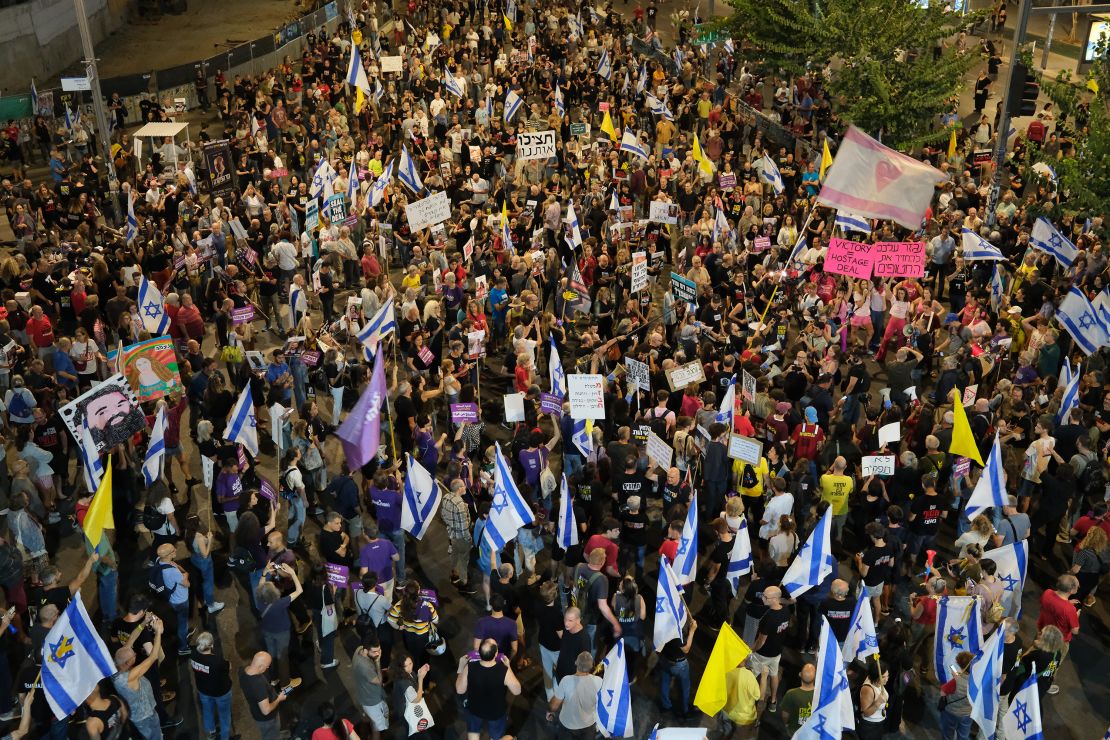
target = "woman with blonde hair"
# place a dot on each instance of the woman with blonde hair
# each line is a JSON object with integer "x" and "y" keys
{"x": 1088, "y": 562}
{"x": 980, "y": 534}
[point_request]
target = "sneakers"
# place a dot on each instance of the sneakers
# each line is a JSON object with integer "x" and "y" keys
{"x": 773, "y": 707}
{"x": 172, "y": 722}
{"x": 332, "y": 664}
{"x": 216, "y": 607}
{"x": 1053, "y": 690}
{"x": 13, "y": 713}
{"x": 467, "y": 590}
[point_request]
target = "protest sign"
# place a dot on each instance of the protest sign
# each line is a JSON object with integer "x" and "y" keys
{"x": 434, "y": 209}
{"x": 683, "y": 375}
{"x": 514, "y": 407}
{"x": 312, "y": 214}
{"x": 853, "y": 259}
{"x": 659, "y": 451}
{"x": 476, "y": 343}
{"x": 242, "y": 315}
{"x": 551, "y": 403}
{"x": 639, "y": 271}
{"x": 747, "y": 388}
{"x": 336, "y": 208}
{"x": 762, "y": 244}
{"x": 586, "y": 394}
{"x": 727, "y": 182}
{"x": 663, "y": 213}
{"x": 898, "y": 259}
{"x": 683, "y": 289}
{"x": 891, "y": 433}
{"x": 391, "y": 63}
{"x": 151, "y": 368}
{"x": 111, "y": 409}
{"x": 639, "y": 374}
{"x": 745, "y": 448}
{"x": 538, "y": 145}
{"x": 878, "y": 465}
{"x": 338, "y": 575}
{"x": 580, "y": 129}
{"x": 464, "y": 413}
{"x": 969, "y": 394}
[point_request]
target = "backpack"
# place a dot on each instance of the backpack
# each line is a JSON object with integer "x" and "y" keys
{"x": 18, "y": 406}
{"x": 364, "y": 623}
{"x": 157, "y": 582}
{"x": 1092, "y": 481}
{"x": 748, "y": 478}
{"x": 153, "y": 519}
{"x": 241, "y": 560}
{"x": 580, "y": 595}
{"x": 658, "y": 423}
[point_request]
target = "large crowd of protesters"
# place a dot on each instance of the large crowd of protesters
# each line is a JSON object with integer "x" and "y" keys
{"x": 833, "y": 360}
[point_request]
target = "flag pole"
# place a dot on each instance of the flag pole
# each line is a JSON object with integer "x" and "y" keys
{"x": 771, "y": 300}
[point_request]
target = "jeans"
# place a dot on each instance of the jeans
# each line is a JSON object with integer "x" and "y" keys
{"x": 548, "y": 659}
{"x": 107, "y": 585}
{"x": 277, "y": 645}
{"x": 255, "y": 577}
{"x": 951, "y": 725}
{"x": 336, "y": 404}
{"x": 572, "y": 464}
{"x": 269, "y": 729}
{"x": 181, "y": 611}
{"x": 149, "y": 728}
{"x": 398, "y": 539}
{"x": 212, "y": 707}
{"x": 679, "y": 672}
{"x": 878, "y": 323}
{"x": 207, "y": 577}
{"x": 298, "y": 512}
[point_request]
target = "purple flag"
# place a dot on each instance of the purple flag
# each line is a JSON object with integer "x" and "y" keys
{"x": 361, "y": 431}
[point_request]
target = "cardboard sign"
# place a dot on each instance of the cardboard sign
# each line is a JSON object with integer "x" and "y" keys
{"x": 683, "y": 289}
{"x": 464, "y": 413}
{"x": 639, "y": 271}
{"x": 898, "y": 259}
{"x": 391, "y": 63}
{"x": 434, "y": 209}
{"x": 312, "y": 214}
{"x": 745, "y": 448}
{"x": 540, "y": 145}
{"x": 878, "y": 465}
{"x": 659, "y": 451}
{"x": 242, "y": 315}
{"x": 514, "y": 407}
{"x": 551, "y": 403}
{"x": 586, "y": 394}
{"x": 639, "y": 374}
{"x": 580, "y": 129}
{"x": 684, "y": 375}
{"x": 747, "y": 386}
{"x": 338, "y": 575}
{"x": 891, "y": 433}
{"x": 969, "y": 394}
{"x": 662, "y": 212}
{"x": 853, "y": 259}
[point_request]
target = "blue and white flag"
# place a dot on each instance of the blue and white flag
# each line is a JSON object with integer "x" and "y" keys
{"x": 1049, "y": 240}
{"x": 322, "y": 180}
{"x": 356, "y": 73}
{"x": 728, "y": 404}
{"x": 1012, "y": 562}
{"x": 377, "y": 189}
{"x": 74, "y": 660}
{"x": 1022, "y": 720}
{"x": 984, "y": 682}
{"x": 406, "y": 172}
{"x": 631, "y": 143}
{"x": 670, "y": 609}
{"x": 641, "y": 81}
{"x": 862, "y": 640}
{"x": 566, "y": 528}
{"x": 976, "y": 248}
{"x": 1070, "y": 400}
{"x": 91, "y": 465}
{"x": 453, "y": 86}
{"x": 560, "y": 106}
{"x": 69, "y": 120}
{"x": 1065, "y": 374}
{"x": 512, "y": 105}
{"x": 957, "y": 630}
{"x": 241, "y": 425}
{"x": 721, "y": 228}
{"x": 555, "y": 369}
{"x": 575, "y": 237}
{"x": 740, "y": 556}
{"x": 614, "y": 203}
{"x": 132, "y": 221}
{"x": 627, "y": 83}
{"x": 1101, "y": 304}
{"x": 508, "y": 511}
{"x": 506, "y": 234}
{"x": 831, "y": 710}
{"x": 998, "y": 289}
{"x": 654, "y": 104}
{"x": 729, "y": 47}
{"x": 604, "y": 66}
{"x": 353, "y": 188}
{"x": 614, "y": 699}
{"x": 298, "y": 305}
{"x": 770, "y": 172}
{"x": 489, "y": 107}
{"x": 380, "y": 325}
{"x": 379, "y": 91}
{"x": 686, "y": 557}
{"x": 156, "y": 449}
{"x": 990, "y": 490}
{"x": 1079, "y": 317}
{"x": 582, "y": 438}
{"x": 421, "y": 499}
{"x": 152, "y": 308}
{"x": 376, "y": 45}
{"x": 851, "y": 222}
{"x": 814, "y": 561}
{"x": 35, "y": 99}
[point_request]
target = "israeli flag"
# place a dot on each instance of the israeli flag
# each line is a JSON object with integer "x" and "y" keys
{"x": 862, "y": 641}
{"x": 421, "y": 499}
{"x": 686, "y": 557}
{"x": 1101, "y": 304}
{"x": 670, "y": 609}
{"x": 407, "y": 173}
{"x": 667, "y": 115}
{"x": 627, "y": 83}
{"x": 1070, "y": 400}
{"x": 831, "y": 711}
{"x": 34, "y": 97}
{"x": 614, "y": 204}
{"x": 604, "y": 66}
{"x": 740, "y": 556}
{"x": 560, "y": 106}
{"x": 1079, "y": 317}
{"x": 654, "y": 104}
{"x": 1022, "y": 720}
{"x": 241, "y": 425}
{"x": 156, "y": 449}
{"x": 814, "y": 561}
{"x": 91, "y": 465}
{"x": 508, "y": 511}
{"x": 452, "y": 84}
{"x": 641, "y": 81}
{"x": 997, "y": 288}
{"x": 352, "y": 187}
{"x": 377, "y": 189}
{"x": 990, "y": 490}
{"x": 575, "y": 239}
{"x": 69, "y": 120}
{"x": 379, "y": 91}
{"x": 506, "y": 234}
{"x": 976, "y": 248}
{"x": 375, "y": 45}
{"x": 770, "y": 172}
{"x": 74, "y": 660}
{"x": 566, "y": 528}
{"x": 132, "y": 222}
{"x": 380, "y": 325}
{"x": 1065, "y": 374}
{"x": 555, "y": 369}
{"x": 728, "y": 403}
{"x": 582, "y": 438}
{"x": 614, "y": 700}
{"x": 984, "y": 682}
{"x": 1012, "y": 562}
{"x": 356, "y": 73}
{"x": 489, "y": 107}
{"x": 851, "y": 222}
{"x": 298, "y": 305}
{"x": 631, "y": 143}
{"x": 322, "y": 180}
{"x": 957, "y": 630}
{"x": 729, "y": 47}
{"x": 512, "y": 105}
{"x": 1046, "y": 238}
{"x": 152, "y": 308}
{"x": 721, "y": 228}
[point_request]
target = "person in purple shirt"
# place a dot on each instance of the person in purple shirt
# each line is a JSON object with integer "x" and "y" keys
{"x": 378, "y": 556}
{"x": 533, "y": 459}
{"x": 387, "y": 511}
{"x": 426, "y": 448}
{"x": 497, "y": 626}
{"x": 229, "y": 486}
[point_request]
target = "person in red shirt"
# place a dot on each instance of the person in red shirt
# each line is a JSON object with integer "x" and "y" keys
{"x": 41, "y": 332}
{"x": 607, "y": 541}
{"x": 1059, "y": 609}
{"x": 1082, "y": 525}
{"x": 808, "y": 437}
{"x": 669, "y": 548}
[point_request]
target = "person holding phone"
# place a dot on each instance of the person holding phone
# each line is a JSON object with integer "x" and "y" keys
{"x": 134, "y": 687}
{"x": 955, "y": 705}
{"x": 263, "y": 699}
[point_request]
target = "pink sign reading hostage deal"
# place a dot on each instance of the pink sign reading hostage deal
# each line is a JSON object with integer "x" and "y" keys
{"x": 899, "y": 259}
{"x": 853, "y": 259}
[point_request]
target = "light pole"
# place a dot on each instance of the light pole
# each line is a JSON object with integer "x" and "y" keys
{"x": 98, "y": 107}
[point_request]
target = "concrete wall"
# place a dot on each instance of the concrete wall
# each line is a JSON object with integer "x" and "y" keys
{"x": 40, "y": 39}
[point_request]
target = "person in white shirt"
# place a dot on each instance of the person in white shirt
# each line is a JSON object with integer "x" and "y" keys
{"x": 781, "y": 503}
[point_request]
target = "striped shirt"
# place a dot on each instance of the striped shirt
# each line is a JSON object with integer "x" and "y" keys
{"x": 419, "y": 623}
{"x": 456, "y": 515}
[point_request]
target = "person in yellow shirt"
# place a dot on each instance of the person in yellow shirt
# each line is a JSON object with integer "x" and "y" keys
{"x": 742, "y": 691}
{"x": 836, "y": 488}
{"x": 752, "y": 481}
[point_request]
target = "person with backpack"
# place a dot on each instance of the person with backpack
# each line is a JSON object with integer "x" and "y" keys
{"x": 169, "y": 580}
{"x": 159, "y": 517}
{"x": 590, "y": 593}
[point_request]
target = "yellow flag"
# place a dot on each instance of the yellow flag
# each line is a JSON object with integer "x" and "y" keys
{"x": 508, "y": 23}
{"x": 963, "y": 442}
{"x": 99, "y": 516}
{"x": 360, "y": 100}
{"x": 607, "y": 126}
{"x": 952, "y": 144}
{"x": 826, "y": 159}
{"x": 727, "y": 653}
{"x": 504, "y": 213}
{"x": 704, "y": 163}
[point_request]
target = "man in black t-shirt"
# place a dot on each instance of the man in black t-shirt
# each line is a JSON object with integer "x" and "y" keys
{"x": 767, "y": 648}
{"x": 213, "y": 680}
{"x": 837, "y": 608}
{"x": 876, "y": 565}
{"x": 262, "y": 700}
{"x": 926, "y": 513}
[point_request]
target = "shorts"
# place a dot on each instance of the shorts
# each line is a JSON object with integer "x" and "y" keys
{"x": 173, "y": 451}
{"x": 758, "y": 663}
{"x": 379, "y": 715}
{"x": 496, "y": 726}
{"x": 874, "y": 591}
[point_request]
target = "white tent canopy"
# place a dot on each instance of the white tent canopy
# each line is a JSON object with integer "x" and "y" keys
{"x": 152, "y": 137}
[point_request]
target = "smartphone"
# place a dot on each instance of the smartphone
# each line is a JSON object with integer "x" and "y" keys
{"x": 954, "y": 668}
{"x": 287, "y": 690}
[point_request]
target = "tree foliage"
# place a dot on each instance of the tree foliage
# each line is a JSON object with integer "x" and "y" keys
{"x": 889, "y": 65}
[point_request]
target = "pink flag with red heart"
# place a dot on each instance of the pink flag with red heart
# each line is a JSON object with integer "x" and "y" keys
{"x": 875, "y": 181}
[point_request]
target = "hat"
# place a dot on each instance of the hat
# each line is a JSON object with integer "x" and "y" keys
{"x": 811, "y": 415}
{"x": 950, "y": 318}
{"x": 633, "y": 503}
{"x": 782, "y": 407}
{"x": 1016, "y": 310}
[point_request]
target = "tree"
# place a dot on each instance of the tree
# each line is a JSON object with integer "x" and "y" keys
{"x": 890, "y": 67}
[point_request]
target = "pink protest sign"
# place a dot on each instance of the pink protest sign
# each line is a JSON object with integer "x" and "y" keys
{"x": 899, "y": 259}
{"x": 853, "y": 259}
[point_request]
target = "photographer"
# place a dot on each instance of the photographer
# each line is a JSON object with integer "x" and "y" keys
{"x": 274, "y": 617}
